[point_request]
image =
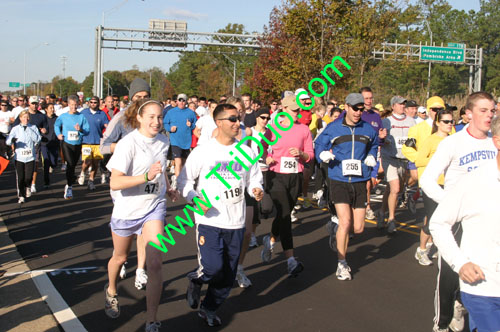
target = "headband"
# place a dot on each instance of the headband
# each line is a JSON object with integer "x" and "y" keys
{"x": 147, "y": 102}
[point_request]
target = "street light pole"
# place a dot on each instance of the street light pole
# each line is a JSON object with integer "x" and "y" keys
{"x": 31, "y": 49}
{"x": 430, "y": 63}
{"x": 234, "y": 73}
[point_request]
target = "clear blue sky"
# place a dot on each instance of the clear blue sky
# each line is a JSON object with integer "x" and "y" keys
{"x": 69, "y": 25}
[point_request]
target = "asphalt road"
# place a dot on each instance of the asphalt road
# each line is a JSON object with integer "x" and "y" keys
{"x": 390, "y": 291}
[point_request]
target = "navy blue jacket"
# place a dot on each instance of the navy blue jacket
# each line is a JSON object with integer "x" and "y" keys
{"x": 347, "y": 142}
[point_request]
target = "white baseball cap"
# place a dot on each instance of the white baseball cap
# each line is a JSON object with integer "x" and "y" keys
{"x": 303, "y": 96}
{"x": 422, "y": 109}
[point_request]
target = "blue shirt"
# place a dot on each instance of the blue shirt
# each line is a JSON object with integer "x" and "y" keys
{"x": 97, "y": 124}
{"x": 178, "y": 117}
{"x": 65, "y": 125}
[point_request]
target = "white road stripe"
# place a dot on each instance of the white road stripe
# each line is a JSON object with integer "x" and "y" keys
{"x": 54, "y": 272}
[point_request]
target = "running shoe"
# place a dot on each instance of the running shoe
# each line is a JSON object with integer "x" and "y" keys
{"x": 332, "y": 226}
{"x": 21, "y": 200}
{"x": 267, "y": 251}
{"x": 28, "y": 192}
{"x": 63, "y": 167}
{"x": 294, "y": 267}
{"x": 422, "y": 257}
{"x": 209, "y": 316}
{"x": 321, "y": 202}
{"x": 391, "y": 226}
{"x": 437, "y": 329}
{"x": 51, "y": 170}
{"x": 173, "y": 181}
{"x": 193, "y": 294}
{"x": 380, "y": 220}
{"x": 293, "y": 216}
{"x": 242, "y": 279}
{"x": 297, "y": 207}
{"x": 91, "y": 185}
{"x": 412, "y": 205}
{"x": 81, "y": 179}
{"x": 123, "y": 271}
{"x": 458, "y": 322}
{"x": 253, "y": 241}
{"x": 343, "y": 272}
{"x": 318, "y": 195}
{"x": 103, "y": 178}
{"x": 68, "y": 192}
{"x": 306, "y": 204}
{"x": 370, "y": 215}
{"x": 153, "y": 327}
{"x": 111, "y": 305}
{"x": 141, "y": 279}
{"x": 432, "y": 250}
{"x": 33, "y": 188}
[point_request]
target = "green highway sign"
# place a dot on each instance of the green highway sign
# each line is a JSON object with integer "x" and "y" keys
{"x": 456, "y": 45}
{"x": 446, "y": 54}
{"x": 26, "y": 85}
{"x": 14, "y": 84}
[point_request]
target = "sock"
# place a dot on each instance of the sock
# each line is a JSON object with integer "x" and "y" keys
{"x": 342, "y": 261}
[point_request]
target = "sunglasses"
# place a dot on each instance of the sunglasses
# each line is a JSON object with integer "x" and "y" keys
{"x": 116, "y": 99}
{"x": 34, "y": 103}
{"x": 436, "y": 109}
{"x": 265, "y": 118}
{"x": 92, "y": 102}
{"x": 4, "y": 104}
{"x": 181, "y": 100}
{"x": 232, "y": 118}
{"x": 447, "y": 121}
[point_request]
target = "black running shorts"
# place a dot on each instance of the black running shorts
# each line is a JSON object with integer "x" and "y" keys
{"x": 353, "y": 194}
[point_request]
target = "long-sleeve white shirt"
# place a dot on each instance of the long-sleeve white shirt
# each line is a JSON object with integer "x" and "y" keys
{"x": 228, "y": 209}
{"x": 455, "y": 156}
{"x": 475, "y": 203}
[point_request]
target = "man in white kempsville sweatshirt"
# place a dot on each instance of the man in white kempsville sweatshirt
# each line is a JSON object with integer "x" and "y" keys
{"x": 474, "y": 202}
{"x": 456, "y": 156}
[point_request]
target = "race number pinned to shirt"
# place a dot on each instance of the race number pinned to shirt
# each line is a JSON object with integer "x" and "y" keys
{"x": 25, "y": 152}
{"x": 86, "y": 151}
{"x": 289, "y": 165}
{"x": 233, "y": 195}
{"x": 151, "y": 188}
{"x": 400, "y": 141}
{"x": 351, "y": 167}
{"x": 73, "y": 135}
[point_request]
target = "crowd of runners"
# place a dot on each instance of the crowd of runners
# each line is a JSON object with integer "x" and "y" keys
{"x": 188, "y": 147}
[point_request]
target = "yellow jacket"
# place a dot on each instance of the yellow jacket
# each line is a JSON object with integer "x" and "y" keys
{"x": 425, "y": 153}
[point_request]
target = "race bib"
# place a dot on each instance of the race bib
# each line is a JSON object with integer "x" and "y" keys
{"x": 351, "y": 167}
{"x": 400, "y": 141}
{"x": 25, "y": 152}
{"x": 151, "y": 188}
{"x": 86, "y": 151}
{"x": 233, "y": 195}
{"x": 73, "y": 136}
{"x": 289, "y": 165}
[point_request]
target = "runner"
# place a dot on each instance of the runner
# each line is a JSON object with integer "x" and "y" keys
{"x": 350, "y": 147}
{"x": 91, "y": 155}
{"x": 70, "y": 128}
{"x": 221, "y": 227}
{"x": 286, "y": 163}
{"x": 24, "y": 138}
{"x": 394, "y": 162}
{"x": 138, "y": 187}
{"x": 457, "y": 155}
{"x": 473, "y": 203}
{"x": 441, "y": 128}
{"x": 180, "y": 122}
{"x": 6, "y": 121}
{"x": 205, "y": 126}
{"x": 50, "y": 146}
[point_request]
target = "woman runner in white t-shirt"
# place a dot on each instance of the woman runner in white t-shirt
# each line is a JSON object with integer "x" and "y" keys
{"x": 138, "y": 187}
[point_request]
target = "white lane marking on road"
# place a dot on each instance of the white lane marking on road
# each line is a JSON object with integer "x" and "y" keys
{"x": 62, "y": 312}
{"x": 54, "y": 272}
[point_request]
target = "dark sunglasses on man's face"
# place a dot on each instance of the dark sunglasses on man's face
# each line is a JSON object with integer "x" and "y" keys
{"x": 232, "y": 118}
{"x": 265, "y": 118}
{"x": 447, "y": 121}
{"x": 93, "y": 102}
{"x": 4, "y": 104}
{"x": 116, "y": 99}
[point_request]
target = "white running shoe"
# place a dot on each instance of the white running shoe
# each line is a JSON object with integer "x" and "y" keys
{"x": 293, "y": 216}
{"x": 242, "y": 279}
{"x": 123, "y": 271}
{"x": 370, "y": 215}
{"x": 343, "y": 272}
{"x": 173, "y": 181}
{"x": 103, "y": 178}
{"x": 422, "y": 256}
{"x": 141, "y": 279}
{"x": 21, "y": 200}
{"x": 28, "y": 192}
{"x": 91, "y": 185}
{"x": 318, "y": 195}
{"x": 458, "y": 322}
{"x": 68, "y": 192}
{"x": 297, "y": 207}
{"x": 253, "y": 241}
{"x": 294, "y": 267}
{"x": 81, "y": 179}
{"x": 267, "y": 251}
{"x": 33, "y": 188}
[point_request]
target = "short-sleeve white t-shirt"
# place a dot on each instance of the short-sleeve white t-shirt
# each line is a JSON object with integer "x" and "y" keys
{"x": 134, "y": 155}
{"x": 5, "y": 121}
{"x": 207, "y": 125}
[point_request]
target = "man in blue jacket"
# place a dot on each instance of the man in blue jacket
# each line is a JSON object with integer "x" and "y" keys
{"x": 180, "y": 122}
{"x": 349, "y": 146}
